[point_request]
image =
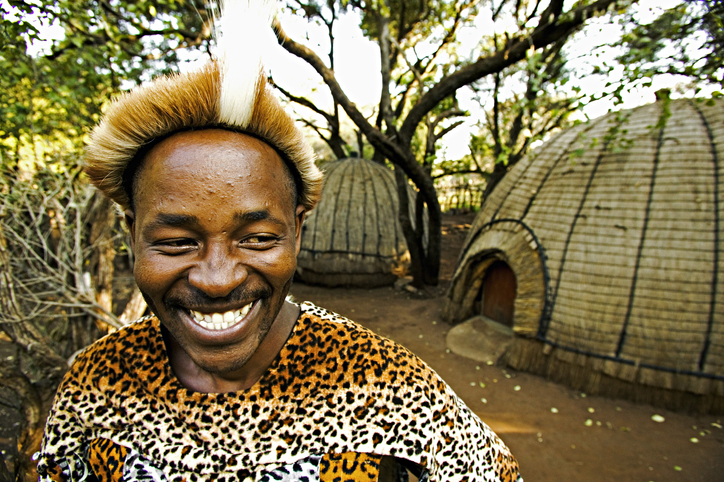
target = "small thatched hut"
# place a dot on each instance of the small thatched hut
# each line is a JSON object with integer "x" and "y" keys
{"x": 353, "y": 236}
{"x": 602, "y": 250}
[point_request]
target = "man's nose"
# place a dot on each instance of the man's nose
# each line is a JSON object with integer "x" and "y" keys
{"x": 219, "y": 271}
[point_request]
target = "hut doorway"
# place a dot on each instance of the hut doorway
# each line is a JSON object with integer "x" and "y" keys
{"x": 499, "y": 290}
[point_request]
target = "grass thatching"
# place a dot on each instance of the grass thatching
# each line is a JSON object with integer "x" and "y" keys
{"x": 353, "y": 237}
{"x": 624, "y": 275}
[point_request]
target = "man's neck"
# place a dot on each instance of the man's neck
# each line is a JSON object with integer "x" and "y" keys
{"x": 195, "y": 378}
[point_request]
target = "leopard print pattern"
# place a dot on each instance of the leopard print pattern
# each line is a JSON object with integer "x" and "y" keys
{"x": 137, "y": 468}
{"x": 107, "y": 459}
{"x": 57, "y": 473}
{"x": 335, "y": 387}
{"x": 349, "y": 467}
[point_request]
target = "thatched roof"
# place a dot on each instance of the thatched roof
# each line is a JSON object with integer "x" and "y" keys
{"x": 353, "y": 237}
{"x": 613, "y": 232}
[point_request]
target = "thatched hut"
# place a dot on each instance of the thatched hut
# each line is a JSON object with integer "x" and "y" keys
{"x": 602, "y": 250}
{"x": 353, "y": 236}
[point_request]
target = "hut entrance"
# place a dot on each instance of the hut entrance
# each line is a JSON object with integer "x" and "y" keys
{"x": 499, "y": 290}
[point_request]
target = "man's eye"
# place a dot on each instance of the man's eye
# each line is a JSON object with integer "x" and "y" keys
{"x": 179, "y": 242}
{"x": 259, "y": 240}
{"x": 174, "y": 246}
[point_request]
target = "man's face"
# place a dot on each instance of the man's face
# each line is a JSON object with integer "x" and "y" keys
{"x": 215, "y": 236}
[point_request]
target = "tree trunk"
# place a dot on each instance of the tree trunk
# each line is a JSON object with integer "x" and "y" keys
{"x": 494, "y": 178}
{"x": 424, "y": 263}
{"x": 336, "y": 143}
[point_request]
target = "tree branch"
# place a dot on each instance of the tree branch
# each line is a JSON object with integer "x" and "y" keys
{"x": 301, "y": 100}
{"x": 373, "y": 135}
{"x": 543, "y": 35}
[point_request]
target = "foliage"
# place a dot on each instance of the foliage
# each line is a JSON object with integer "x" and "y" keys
{"x": 422, "y": 72}
{"x": 685, "y": 40}
{"x": 50, "y": 95}
{"x": 540, "y": 104}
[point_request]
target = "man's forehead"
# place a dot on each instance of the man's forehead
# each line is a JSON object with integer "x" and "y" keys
{"x": 210, "y": 152}
{"x": 228, "y": 141}
{"x": 191, "y": 163}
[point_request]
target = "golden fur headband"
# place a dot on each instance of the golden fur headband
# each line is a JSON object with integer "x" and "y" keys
{"x": 229, "y": 91}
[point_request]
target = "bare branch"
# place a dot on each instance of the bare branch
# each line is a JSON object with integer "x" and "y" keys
{"x": 515, "y": 51}
{"x": 303, "y": 101}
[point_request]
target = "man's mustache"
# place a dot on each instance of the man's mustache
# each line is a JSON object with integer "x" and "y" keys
{"x": 194, "y": 297}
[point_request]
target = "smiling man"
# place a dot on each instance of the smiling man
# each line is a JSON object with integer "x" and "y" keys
{"x": 227, "y": 380}
{"x": 215, "y": 233}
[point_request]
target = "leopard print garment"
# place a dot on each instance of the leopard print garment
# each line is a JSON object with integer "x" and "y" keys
{"x": 334, "y": 388}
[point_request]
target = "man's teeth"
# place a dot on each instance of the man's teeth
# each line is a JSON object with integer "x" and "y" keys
{"x": 220, "y": 321}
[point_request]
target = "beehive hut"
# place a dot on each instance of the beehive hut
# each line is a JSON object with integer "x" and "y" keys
{"x": 603, "y": 251}
{"x": 353, "y": 236}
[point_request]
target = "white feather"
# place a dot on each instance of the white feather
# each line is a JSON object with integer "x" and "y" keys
{"x": 242, "y": 33}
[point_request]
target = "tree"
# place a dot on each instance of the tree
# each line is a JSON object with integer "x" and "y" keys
{"x": 414, "y": 86}
{"x": 330, "y": 132}
{"x": 528, "y": 115}
{"x": 686, "y": 40}
{"x": 50, "y": 98}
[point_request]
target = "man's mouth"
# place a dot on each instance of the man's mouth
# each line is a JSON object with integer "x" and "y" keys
{"x": 220, "y": 321}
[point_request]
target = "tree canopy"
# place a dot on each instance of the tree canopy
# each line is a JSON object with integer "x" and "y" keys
{"x": 686, "y": 40}
{"x": 52, "y": 90}
{"x": 421, "y": 75}
{"x": 52, "y": 93}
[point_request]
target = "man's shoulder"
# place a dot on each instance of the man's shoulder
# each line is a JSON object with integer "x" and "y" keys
{"x": 128, "y": 341}
{"x": 328, "y": 325}
{"x": 359, "y": 354}
{"x": 310, "y": 309}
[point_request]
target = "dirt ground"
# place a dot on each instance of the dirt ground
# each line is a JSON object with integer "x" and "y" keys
{"x": 556, "y": 434}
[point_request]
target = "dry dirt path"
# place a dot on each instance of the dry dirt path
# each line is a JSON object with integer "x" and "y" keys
{"x": 556, "y": 434}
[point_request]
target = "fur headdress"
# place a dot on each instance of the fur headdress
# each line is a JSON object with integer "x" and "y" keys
{"x": 229, "y": 91}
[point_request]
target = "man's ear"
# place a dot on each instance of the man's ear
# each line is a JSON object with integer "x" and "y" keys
{"x": 130, "y": 219}
{"x": 299, "y": 221}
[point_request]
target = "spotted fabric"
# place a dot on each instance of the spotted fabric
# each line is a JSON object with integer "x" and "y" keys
{"x": 350, "y": 467}
{"x": 334, "y": 388}
{"x": 107, "y": 459}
